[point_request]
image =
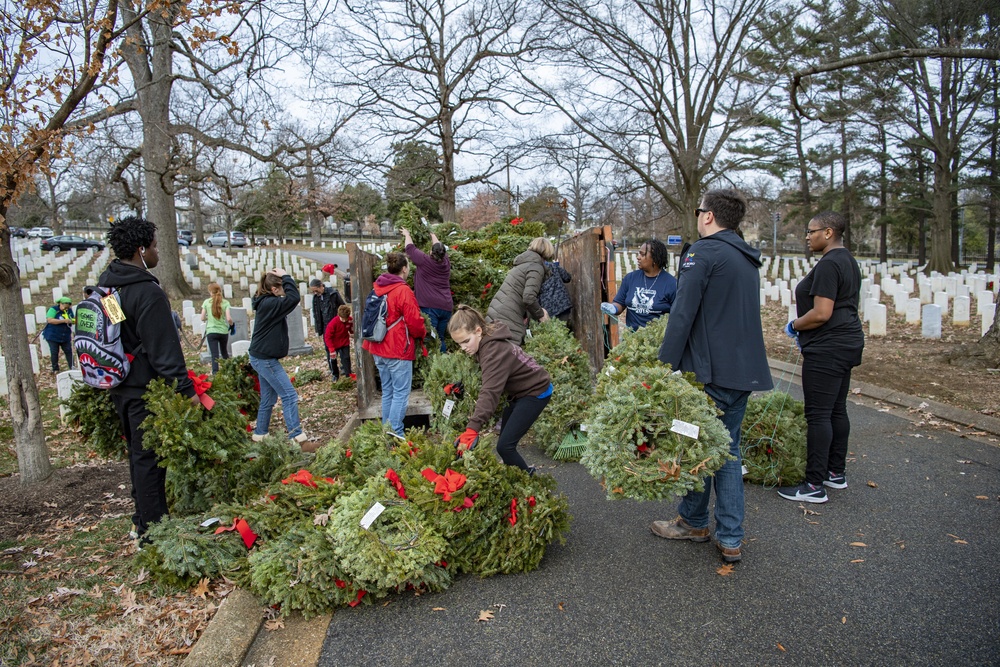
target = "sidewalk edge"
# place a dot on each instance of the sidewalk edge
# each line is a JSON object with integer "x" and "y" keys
{"x": 230, "y": 633}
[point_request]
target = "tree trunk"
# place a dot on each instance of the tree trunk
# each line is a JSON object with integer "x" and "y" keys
{"x": 883, "y": 197}
{"x": 940, "y": 256}
{"x": 312, "y": 196}
{"x": 448, "y": 185}
{"x": 56, "y": 224}
{"x": 845, "y": 186}
{"x": 25, "y": 408}
{"x": 198, "y": 214}
{"x": 803, "y": 177}
{"x": 921, "y": 214}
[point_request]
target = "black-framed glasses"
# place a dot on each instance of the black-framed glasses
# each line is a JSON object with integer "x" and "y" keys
{"x": 810, "y": 232}
{"x": 699, "y": 211}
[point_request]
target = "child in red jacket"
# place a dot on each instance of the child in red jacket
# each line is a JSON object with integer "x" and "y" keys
{"x": 338, "y": 339}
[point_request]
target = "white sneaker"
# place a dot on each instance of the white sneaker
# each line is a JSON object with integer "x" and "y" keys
{"x": 257, "y": 438}
{"x": 301, "y": 437}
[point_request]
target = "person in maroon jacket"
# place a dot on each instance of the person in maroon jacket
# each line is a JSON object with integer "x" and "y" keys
{"x": 338, "y": 339}
{"x": 395, "y": 354}
{"x": 432, "y": 284}
{"x": 507, "y": 369}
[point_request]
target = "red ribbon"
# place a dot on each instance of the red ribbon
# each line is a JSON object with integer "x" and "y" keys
{"x": 340, "y": 583}
{"x": 646, "y": 385}
{"x": 513, "y": 512}
{"x": 413, "y": 449}
{"x": 531, "y": 501}
{"x": 516, "y": 221}
{"x": 202, "y": 385}
{"x": 445, "y": 484}
{"x": 305, "y": 478}
{"x": 243, "y": 528}
{"x": 348, "y": 453}
{"x": 357, "y": 601}
{"x": 486, "y": 289}
{"x": 393, "y": 477}
{"x": 467, "y": 503}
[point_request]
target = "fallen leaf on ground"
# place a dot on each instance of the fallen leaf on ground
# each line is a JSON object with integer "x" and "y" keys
{"x": 202, "y": 588}
{"x": 438, "y": 609}
{"x": 781, "y": 648}
{"x": 274, "y": 624}
{"x": 561, "y": 606}
{"x": 843, "y": 619}
{"x": 872, "y": 484}
{"x": 858, "y": 544}
{"x": 960, "y": 542}
{"x": 484, "y": 615}
{"x": 725, "y": 570}
{"x": 858, "y": 560}
{"x": 982, "y": 497}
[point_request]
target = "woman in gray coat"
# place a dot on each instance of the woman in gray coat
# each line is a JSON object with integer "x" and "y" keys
{"x": 517, "y": 298}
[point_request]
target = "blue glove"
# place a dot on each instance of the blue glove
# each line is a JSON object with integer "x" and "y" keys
{"x": 609, "y": 309}
{"x": 790, "y": 332}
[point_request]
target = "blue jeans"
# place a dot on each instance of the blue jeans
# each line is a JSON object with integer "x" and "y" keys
{"x": 728, "y": 480}
{"x": 397, "y": 378}
{"x": 66, "y": 347}
{"x": 439, "y": 320}
{"x": 274, "y": 382}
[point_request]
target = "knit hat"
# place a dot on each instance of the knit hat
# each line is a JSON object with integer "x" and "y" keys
{"x": 64, "y": 299}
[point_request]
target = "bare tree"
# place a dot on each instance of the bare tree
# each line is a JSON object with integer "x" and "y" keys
{"x": 682, "y": 72}
{"x": 53, "y": 57}
{"x": 436, "y": 71}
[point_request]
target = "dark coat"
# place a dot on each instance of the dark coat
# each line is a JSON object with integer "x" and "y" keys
{"x": 149, "y": 324}
{"x": 270, "y": 328}
{"x": 517, "y": 297}
{"x": 324, "y": 307}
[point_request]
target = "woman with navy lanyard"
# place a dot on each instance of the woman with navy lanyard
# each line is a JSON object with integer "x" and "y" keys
{"x": 507, "y": 371}
{"x": 828, "y": 331}
{"x": 647, "y": 292}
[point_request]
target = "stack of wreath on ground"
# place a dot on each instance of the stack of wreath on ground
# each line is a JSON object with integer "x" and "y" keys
{"x": 654, "y": 434}
{"x": 358, "y": 521}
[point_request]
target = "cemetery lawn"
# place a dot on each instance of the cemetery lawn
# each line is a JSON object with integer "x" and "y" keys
{"x": 906, "y": 362}
{"x": 71, "y": 590}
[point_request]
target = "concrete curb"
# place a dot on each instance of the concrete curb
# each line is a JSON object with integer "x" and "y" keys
{"x": 966, "y": 418}
{"x": 230, "y": 633}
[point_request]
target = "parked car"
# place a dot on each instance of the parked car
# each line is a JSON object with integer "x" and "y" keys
{"x": 58, "y": 243}
{"x": 19, "y": 232}
{"x": 186, "y": 234}
{"x": 221, "y": 239}
{"x": 183, "y": 243}
{"x": 40, "y": 233}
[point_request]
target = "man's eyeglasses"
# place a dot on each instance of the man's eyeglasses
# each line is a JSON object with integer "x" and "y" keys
{"x": 810, "y": 232}
{"x": 699, "y": 211}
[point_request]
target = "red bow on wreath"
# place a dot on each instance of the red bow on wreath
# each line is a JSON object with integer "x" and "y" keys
{"x": 305, "y": 478}
{"x": 486, "y": 289}
{"x": 516, "y": 221}
{"x": 202, "y": 385}
{"x": 445, "y": 484}
{"x": 243, "y": 528}
{"x": 393, "y": 477}
{"x": 513, "y": 512}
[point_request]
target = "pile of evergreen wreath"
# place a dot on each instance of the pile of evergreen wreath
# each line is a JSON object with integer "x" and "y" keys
{"x": 773, "y": 440}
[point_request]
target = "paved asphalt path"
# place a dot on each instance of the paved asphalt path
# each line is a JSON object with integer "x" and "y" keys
{"x": 924, "y": 589}
{"x": 325, "y": 257}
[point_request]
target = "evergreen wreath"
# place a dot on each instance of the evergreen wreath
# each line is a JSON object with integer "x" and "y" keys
{"x": 553, "y": 346}
{"x": 631, "y": 448}
{"x": 773, "y": 440}
{"x": 93, "y": 413}
{"x": 444, "y": 374}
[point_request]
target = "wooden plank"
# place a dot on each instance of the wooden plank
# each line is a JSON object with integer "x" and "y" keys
{"x": 418, "y": 404}
{"x": 589, "y": 259}
{"x": 361, "y": 267}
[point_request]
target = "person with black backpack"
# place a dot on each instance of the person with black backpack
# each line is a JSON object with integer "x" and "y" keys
{"x": 149, "y": 338}
{"x": 391, "y": 326}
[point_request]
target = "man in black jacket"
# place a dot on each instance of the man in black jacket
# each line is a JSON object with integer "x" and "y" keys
{"x": 148, "y": 333}
{"x": 715, "y": 331}
{"x": 326, "y": 301}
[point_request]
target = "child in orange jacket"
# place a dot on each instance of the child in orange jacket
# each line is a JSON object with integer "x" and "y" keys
{"x": 338, "y": 339}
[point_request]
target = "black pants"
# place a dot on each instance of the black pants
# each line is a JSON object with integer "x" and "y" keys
{"x": 67, "y": 348}
{"x": 517, "y": 418}
{"x": 218, "y": 346}
{"x": 344, "y": 354}
{"x": 825, "y": 387}
{"x": 148, "y": 479}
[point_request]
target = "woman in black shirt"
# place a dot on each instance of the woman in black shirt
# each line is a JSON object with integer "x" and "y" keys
{"x": 829, "y": 333}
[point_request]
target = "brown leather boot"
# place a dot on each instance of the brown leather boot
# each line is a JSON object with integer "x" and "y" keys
{"x": 729, "y": 554}
{"x": 678, "y": 529}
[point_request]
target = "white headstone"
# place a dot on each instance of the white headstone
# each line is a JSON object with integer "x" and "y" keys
{"x": 64, "y": 387}
{"x": 912, "y": 311}
{"x": 930, "y": 321}
{"x": 983, "y": 300}
{"x": 57, "y": 293}
{"x": 987, "y": 315}
{"x": 876, "y": 319}
{"x": 33, "y": 351}
{"x": 926, "y": 293}
{"x": 26, "y": 296}
{"x": 960, "y": 311}
{"x": 941, "y": 300}
{"x": 29, "y": 323}
{"x": 3, "y": 376}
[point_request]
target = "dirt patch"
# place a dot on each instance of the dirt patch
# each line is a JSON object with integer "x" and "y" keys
{"x": 77, "y": 492}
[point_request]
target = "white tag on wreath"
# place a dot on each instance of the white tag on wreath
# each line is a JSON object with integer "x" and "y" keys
{"x": 208, "y": 522}
{"x": 372, "y": 514}
{"x": 745, "y": 470}
{"x": 449, "y": 405}
{"x": 684, "y": 428}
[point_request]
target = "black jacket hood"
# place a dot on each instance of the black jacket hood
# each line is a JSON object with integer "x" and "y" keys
{"x": 119, "y": 274}
{"x": 732, "y": 238}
